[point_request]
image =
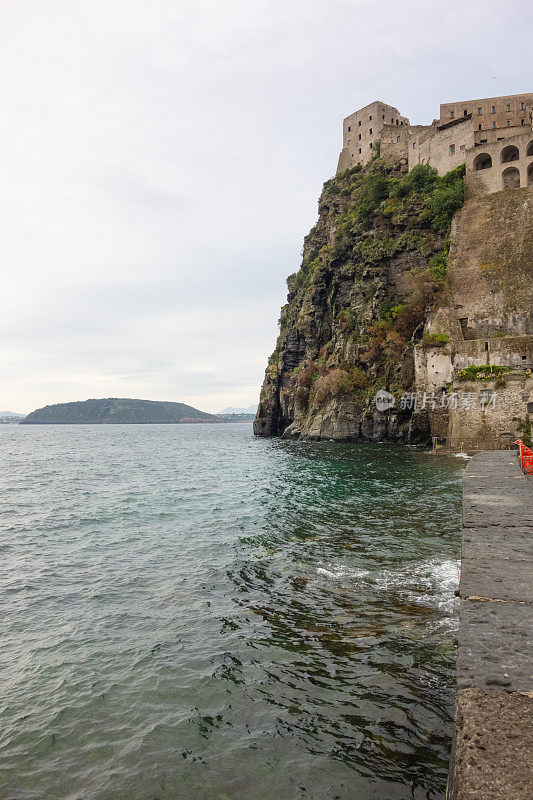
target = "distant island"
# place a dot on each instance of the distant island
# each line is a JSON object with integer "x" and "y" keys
{"x": 118, "y": 411}
{"x": 232, "y": 410}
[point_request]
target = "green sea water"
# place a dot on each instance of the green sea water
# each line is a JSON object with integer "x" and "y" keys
{"x": 187, "y": 612}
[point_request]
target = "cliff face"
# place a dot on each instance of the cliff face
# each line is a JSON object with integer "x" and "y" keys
{"x": 373, "y": 270}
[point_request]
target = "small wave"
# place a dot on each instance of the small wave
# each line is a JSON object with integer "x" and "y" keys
{"x": 342, "y": 572}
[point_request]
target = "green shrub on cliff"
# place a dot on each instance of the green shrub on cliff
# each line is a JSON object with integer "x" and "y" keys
{"x": 446, "y": 198}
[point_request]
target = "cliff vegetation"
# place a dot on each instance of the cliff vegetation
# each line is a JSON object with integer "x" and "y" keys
{"x": 373, "y": 268}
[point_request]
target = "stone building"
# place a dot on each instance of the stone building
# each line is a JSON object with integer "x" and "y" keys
{"x": 363, "y": 129}
{"x": 473, "y": 132}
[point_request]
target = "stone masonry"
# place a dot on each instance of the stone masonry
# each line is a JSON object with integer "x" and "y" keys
{"x": 492, "y": 136}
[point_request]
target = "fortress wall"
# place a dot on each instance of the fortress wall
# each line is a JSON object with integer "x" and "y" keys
{"x": 491, "y": 179}
{"x": 492, "y": 427}
{"x": 394, "y": 143}
{"x": 443, "y": 149}
{"x": 490, "y": 264}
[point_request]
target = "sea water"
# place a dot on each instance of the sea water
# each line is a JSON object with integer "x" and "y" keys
{"x": 189, "y": 612}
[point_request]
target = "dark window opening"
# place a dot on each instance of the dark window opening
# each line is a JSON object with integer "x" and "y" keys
{"x": 508, "y": 106}
{"x": 465, "y": 113}
{"x": 452, "y": 114}
{"x": 482, "y": 161}
{"x": 479, "y": 127}
{"x": 493, "y": 109}
{"x": 480, "y": 111}
{"x": 349, "y": 129}
{"x": 398, "y": 138}
{"x": 511, "y": 178}
{"x": 522, "y": 106}
{"x": 370, "y": 131}
{"x": 509, "y": 153}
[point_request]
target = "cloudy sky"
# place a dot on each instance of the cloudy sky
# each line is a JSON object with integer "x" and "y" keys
{"x": 160, "y": 163}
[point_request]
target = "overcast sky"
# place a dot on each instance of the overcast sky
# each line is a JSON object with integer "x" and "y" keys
{"x": 161, "y": 161}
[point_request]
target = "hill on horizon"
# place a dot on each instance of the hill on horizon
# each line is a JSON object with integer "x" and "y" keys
{"x": 117, "y": 411}
{"x": 231, "y": 410}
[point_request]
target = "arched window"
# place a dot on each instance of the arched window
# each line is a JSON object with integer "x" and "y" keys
{"x": 510, "y": 178}
{"x": 530, "y": 175}
{"x": 529, "y": 151}
{"x": 482, "y": 161}
{"x": 509, "y": 153}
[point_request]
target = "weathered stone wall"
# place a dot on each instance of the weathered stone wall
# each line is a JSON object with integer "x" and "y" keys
{"x": 493, "y": 425}
{"x": 509, "y": 111}
{"x": 442, "y": 148}
{"x": 490, "y": 265}
{"x": 493, "y": 165}
{"x": 362, "y": 130}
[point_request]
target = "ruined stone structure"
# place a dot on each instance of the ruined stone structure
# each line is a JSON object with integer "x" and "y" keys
{"x": 493, "y": 136}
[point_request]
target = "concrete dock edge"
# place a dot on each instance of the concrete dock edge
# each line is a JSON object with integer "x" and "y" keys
{"x": 492, "y": 755}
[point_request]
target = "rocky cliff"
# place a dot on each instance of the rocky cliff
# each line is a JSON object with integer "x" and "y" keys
{"x": 372, "y": 273}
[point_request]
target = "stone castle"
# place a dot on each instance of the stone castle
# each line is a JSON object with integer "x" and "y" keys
{"x": 492, "y": 136}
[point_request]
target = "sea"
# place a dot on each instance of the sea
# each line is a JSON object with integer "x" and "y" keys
{"x": 191, "y": 613}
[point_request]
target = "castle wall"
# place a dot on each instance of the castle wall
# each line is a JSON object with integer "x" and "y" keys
{"x": 362, "y": 130}
{"x": 491, "y": 426}
{"x": 487, "y": 171}
{"x": 490, "y": 113}
{"x": 442, "y": 148}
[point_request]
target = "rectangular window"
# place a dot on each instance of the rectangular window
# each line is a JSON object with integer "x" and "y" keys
{"x": 359, "y": 151}
{"x": 370, "y": 118}
{"x": 371, "y": 145}
{"x": 359, "y": 137}
{"x": 479, "y": 127}
{"x": 413, "y": 145}
{"x": 522, "y": 122}
{"x": 398, "y": 138}
{"x": 452, "y": 114}
{"x": 508, "y": 106}
{"x": 452, "y": 149}
{"x": 522, "y": 106}
{"x": 508, "y": 123}
{"x": 370, "y": 131}
{"x": 349, "y": 129}
{"x": 359, "y": 123}
{"x": 493, "y": 124}
{"x": 465, "y": 112}
{"x": 493, "y": 109}
{"x": 401, "y": 122}
{"x": 479, "y": 111}
{"x": 383, "y": 116}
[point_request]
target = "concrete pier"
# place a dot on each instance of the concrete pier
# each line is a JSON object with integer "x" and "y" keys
{"x": 492, "y": 756}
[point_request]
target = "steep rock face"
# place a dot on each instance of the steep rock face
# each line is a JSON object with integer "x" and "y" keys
{"x": 373, "y": 269}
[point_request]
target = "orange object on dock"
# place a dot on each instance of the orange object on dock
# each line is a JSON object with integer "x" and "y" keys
{"x": 526, "y": 457}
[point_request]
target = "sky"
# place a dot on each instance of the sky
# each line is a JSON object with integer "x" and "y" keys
{"x": 161, "y": 162}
